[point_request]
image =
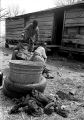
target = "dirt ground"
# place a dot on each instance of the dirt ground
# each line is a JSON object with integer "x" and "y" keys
{"x": 68, "y": 75}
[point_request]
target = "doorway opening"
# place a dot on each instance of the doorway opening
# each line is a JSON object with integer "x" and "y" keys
{"x": 58, "y": 26}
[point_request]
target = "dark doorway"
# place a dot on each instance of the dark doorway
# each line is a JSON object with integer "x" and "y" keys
{"x": 58, "y": 26}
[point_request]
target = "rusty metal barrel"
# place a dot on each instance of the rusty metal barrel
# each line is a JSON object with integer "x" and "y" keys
{"x": 23, "y": 77}
{"x": 25, "y": 72}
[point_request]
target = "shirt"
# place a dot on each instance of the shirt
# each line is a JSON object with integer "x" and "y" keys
{"x": 41, "y": 51}
{"x": 30, "y": 32}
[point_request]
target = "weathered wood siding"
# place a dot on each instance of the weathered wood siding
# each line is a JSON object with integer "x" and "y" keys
{"x": 74, "y": 26}
{"x": 14, "y": 27}
{"x": 45, "y": 24}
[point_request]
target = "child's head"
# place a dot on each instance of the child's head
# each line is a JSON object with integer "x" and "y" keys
{"x": 44, "y": 44}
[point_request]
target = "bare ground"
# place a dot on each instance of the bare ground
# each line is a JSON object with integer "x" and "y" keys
{"x": 68, "y": 75}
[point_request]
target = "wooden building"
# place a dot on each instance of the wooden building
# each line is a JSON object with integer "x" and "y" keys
{"x": 73, "y": 28}
{"x": 50, "y": 24}
{"x": 61, "y": 27}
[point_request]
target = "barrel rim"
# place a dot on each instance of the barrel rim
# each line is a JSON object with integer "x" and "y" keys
{"x": 24, "y": 62}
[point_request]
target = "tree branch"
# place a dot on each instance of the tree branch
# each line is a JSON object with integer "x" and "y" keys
{"x": 4, "y": 15}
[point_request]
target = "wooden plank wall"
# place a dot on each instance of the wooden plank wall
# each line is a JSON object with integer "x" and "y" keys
{"x": 45, "y": 24}
{"x": 14, "y": 28}
{"x": 74, "y": 17}
{"x": 74, "y": 26}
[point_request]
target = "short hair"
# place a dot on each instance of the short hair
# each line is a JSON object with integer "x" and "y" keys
{"x": 35, "y": 22}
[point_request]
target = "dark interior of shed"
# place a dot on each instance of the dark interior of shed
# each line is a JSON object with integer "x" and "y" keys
{"x": 58, "y": 26}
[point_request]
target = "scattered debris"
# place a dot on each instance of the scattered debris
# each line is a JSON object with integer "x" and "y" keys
{"x": 62, "y": 112}
{"x": 69, "y": 96}
{"x": 47, "y": 74}
{"x": 72, "y": 92}
{"x": 37, "y": 103}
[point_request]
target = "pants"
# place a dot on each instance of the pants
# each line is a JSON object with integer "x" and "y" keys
{"x": 31, "y": 45}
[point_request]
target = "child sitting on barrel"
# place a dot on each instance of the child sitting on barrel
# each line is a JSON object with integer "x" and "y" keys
{"x": 40, "y": 56}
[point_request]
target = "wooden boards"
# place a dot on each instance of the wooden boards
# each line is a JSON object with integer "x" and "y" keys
{"x": 74, "y": 17}
{"x": 14, "y": 28}
{"x": 74, "y": 26}
{"x": 45, "y": 24}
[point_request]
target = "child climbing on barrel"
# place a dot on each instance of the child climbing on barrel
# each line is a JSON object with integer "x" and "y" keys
{"x": 40, "y": 56}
